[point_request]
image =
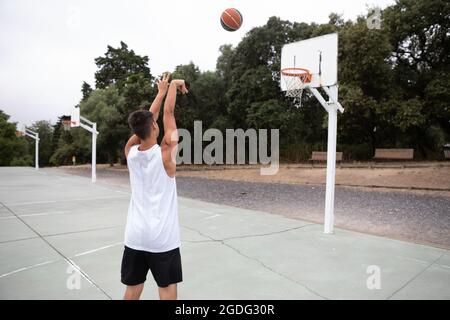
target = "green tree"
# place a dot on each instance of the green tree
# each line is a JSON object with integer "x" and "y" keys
{"x": 45, "y": 130}
{"x": 13, "y": 149}
{"x": 103, "y": 107}
{"x": 86, "y": 90}
{"x": 118, "y": 65}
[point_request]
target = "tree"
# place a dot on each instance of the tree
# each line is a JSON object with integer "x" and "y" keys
{"x": 418, "y": 30}
{"x": 103, "y": 107}
{"x": 256, "y": 84}
{"x": 45, "y": 130}
{"x": 394, "y": 84}
{"x": 85, "y": 90}
{"x": 66, "y": 144}
{"x": 189, "y": 72}
{"x": 118, "y": 65}
{"x": 14, "y": 150}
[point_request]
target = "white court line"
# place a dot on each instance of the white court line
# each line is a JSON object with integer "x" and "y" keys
{"x": 68, "y": 260}
{"x": 64, "y": 200}
{"x": 203, "y": 211}
{"x": 35, "y": 214}
{"x": 42, "y": 214}
{"x": 442, "y": 266}
{"x": 413, "y": 259}
{"x": 213, "y": 216}
{"x": 118, "y": 191}
{"x": 6, "y": 218}
{"x": 98, "y": 249}
{"x": 26, "y": 268}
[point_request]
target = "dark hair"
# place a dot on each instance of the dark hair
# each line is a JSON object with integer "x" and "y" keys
{"x": 140, "y": 122}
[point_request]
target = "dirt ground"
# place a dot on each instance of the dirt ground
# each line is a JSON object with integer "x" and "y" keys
{"x": 423, "y": 178}
{"x": 428, "y": 176}
{"x": 432, "y": 178}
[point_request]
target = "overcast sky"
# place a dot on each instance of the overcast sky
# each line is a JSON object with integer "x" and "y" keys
{"x": 47, "y": 48}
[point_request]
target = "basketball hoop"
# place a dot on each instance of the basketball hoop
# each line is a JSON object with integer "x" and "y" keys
{"x": 296, "y": 79}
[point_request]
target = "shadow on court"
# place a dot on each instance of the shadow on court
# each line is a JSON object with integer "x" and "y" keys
{"x": 61, "y": 238}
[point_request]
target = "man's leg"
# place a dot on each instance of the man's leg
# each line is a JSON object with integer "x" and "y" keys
{"x": 169, "y": 292}
{"x": 133, "y": 292}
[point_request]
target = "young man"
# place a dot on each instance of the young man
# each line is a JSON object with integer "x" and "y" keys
{"x": 152, "y": 236}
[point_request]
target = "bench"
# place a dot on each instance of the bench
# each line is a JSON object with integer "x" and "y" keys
{"x": 394, "y": 154}
{"x": 322, "y": 156}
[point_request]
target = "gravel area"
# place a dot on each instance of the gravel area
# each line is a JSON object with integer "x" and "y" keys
{"x": 400, "y": 215}
{"x": 409, "y": 216}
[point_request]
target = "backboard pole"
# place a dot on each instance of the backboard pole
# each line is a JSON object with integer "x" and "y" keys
{"x": 332, "y": 107}
{"x": 94, "y": 152}
{"x": 34, "y": 135}
{"x": 92, "y": 128}
{"x": 36, "y": 152}
{"x": 331, "y": 160}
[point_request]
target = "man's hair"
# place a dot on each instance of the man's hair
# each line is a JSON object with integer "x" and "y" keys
{"x": 140, "y": 122}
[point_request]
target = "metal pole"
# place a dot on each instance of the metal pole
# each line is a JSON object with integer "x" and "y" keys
{"x": 94, "y": 152}
{"x": 331, "y": 162}
{"x": 36, "y": 150}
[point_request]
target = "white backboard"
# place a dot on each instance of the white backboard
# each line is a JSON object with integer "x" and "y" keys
{"x": 319, "y": 55}
{"x": 75, "y": 117}
{"x": 20, "y": 129}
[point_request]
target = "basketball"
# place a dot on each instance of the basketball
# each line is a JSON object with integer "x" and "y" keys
{"x": 231, "y": 19}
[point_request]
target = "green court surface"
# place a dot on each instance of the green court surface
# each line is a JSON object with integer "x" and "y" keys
{"x": 61, "y": 238}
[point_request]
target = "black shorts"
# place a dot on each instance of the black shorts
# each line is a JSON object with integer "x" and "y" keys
{"x": 165, "y": 267}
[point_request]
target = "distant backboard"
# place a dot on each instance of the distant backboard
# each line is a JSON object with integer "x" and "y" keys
{"x": 20, "y": 130}
{"x": 319, "y": 55}
{"x": 75, "y": 117}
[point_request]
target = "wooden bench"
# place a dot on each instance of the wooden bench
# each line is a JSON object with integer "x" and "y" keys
{"x": 394, "y": 154}
{"x": 322, "y": 156}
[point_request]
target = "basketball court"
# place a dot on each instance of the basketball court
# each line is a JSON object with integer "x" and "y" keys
{"x": 54, "y": 225}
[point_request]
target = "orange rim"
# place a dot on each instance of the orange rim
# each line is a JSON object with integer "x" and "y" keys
{"x": 302, "y": 73}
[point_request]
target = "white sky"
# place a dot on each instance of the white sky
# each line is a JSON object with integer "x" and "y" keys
{"x": 47, "y": 48}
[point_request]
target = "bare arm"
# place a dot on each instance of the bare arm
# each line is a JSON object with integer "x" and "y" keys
{"x": 170, "y": 140}
{"x": 134, "y": 140}
{"x": 170, "y": 125}
{"x": 163, "y": 84}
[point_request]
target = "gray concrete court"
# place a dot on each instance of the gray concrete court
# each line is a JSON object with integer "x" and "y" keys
{"x": 51, "y": 223}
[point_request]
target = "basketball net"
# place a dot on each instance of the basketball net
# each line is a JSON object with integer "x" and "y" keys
{"x": 296, "y": 80}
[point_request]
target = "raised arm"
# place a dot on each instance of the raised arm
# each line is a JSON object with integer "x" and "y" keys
{"x": 170, "y": 140}
{"x": 163, "y": 85}
{"x": 134, "y": 139}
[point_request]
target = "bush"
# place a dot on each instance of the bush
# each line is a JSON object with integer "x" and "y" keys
{"x": 363, "y": 151}
{"x": 25, "y": 161}
{"x": 300, "y": 151}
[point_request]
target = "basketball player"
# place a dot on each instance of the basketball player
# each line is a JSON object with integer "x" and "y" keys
{"x": 152, "y": 236}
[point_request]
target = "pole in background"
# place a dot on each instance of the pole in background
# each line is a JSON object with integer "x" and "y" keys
{"x": 94, "y": 152}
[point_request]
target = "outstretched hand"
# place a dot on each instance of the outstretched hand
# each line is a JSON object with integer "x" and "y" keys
{"x": 163, "y": 84}
{"x": 181, "y": 85}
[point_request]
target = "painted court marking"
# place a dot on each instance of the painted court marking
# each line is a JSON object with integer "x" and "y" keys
{"x": 71, "y": 261}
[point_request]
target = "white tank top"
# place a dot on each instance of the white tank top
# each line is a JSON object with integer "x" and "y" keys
{"x": 152, "y": 222}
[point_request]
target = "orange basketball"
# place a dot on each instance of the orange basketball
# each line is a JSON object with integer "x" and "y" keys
{"x": 231, "y": 19}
